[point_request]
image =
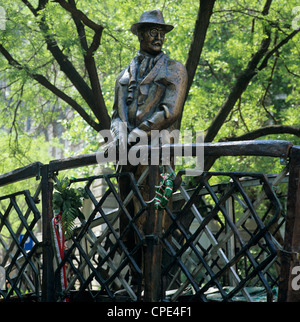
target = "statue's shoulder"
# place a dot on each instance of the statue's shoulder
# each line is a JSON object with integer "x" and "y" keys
{"x": 121, "y": 74}
{"x": 123, "y": 77}
{"x": 171, "y": 61}
{"x": 176, "y": 66}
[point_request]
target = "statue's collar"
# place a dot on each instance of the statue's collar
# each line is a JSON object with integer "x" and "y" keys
{"x": 129, "y": 75}
{"x": 141, "y": 55}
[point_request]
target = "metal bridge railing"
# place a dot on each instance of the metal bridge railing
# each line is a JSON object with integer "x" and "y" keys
{"x": 225, "y": 242}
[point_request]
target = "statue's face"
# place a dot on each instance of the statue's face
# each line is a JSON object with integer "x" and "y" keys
{"x": 152, "y": 39}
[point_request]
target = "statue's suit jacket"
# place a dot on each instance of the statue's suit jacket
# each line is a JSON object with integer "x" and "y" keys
{"x": 157, "y": 101}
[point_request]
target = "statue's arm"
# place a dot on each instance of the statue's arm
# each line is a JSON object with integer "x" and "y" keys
{"x": 118, "y": 127}
{"x": 170, "y": 107}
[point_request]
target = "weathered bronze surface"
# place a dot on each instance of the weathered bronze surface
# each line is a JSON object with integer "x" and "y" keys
{"x": 149, "y": 95}
{"x": 150, "y": 92}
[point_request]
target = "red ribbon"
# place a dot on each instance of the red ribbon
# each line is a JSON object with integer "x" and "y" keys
{"x": 61, "y": 247}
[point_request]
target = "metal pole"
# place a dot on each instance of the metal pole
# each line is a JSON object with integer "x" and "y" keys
{"x": 47, "y": 214}
{"x": 288, "y": 290}
{"x": 153, "y": 250}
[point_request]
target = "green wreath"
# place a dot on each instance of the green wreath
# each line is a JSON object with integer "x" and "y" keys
{"x": 67, "y": 201}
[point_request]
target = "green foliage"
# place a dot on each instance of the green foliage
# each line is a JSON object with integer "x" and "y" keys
{"x": 67, "y": 201}
{"x": 234, "y": 35}
{"x": 19, "y": 153}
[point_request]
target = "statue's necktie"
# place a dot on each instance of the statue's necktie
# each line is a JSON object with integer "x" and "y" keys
{"x": 146, "y": 66}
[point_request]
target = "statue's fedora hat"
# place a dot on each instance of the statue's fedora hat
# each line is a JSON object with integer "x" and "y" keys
{"x": 154, "y": 17}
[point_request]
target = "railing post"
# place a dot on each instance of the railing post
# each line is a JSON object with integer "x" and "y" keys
{"x": 153, "y": 249}
{"x": 289, "y": 290}
{"x": 47, "y": 214}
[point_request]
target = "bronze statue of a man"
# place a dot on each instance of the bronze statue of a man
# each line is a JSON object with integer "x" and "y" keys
{"x": 149, "y": 95}
{"x": 150, "y": 92}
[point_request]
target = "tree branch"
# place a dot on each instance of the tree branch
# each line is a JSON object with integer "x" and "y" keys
{"x": 70, "y": 71}
{"x": 276, "y": 48}
{"x": 14, "y": 125}
{"x": 266, "y": 8}
{"x": 80, "y": 18}
{"x": 267, "y": 130}
{"x": 239, "y": 87}
{"x": 201, "y": 26}
{"x": 80, "y": 30}
{"x": 43, "y": 81}
{"x": 243, "y": 81}
{"x": 79, "y": 14}
{"x": 89, "y": 60}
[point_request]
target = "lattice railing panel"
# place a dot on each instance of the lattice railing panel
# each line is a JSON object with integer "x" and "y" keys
{"x": 222, "y": 243}
{"x": 19, "y": 247}
{"x": 222, "y": 240}
{"x": 98, "y": 261}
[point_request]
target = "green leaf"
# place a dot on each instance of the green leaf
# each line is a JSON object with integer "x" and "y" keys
{"x": 68, "y": 200}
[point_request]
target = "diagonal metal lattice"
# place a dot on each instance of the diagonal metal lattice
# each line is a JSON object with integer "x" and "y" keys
{"x": 221, "y": 245}
{"x": 19, "y": 246}
{"x": 98, "y": 261}
{"x": 221, "y": 241}
{"x": 213, "y": 242}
